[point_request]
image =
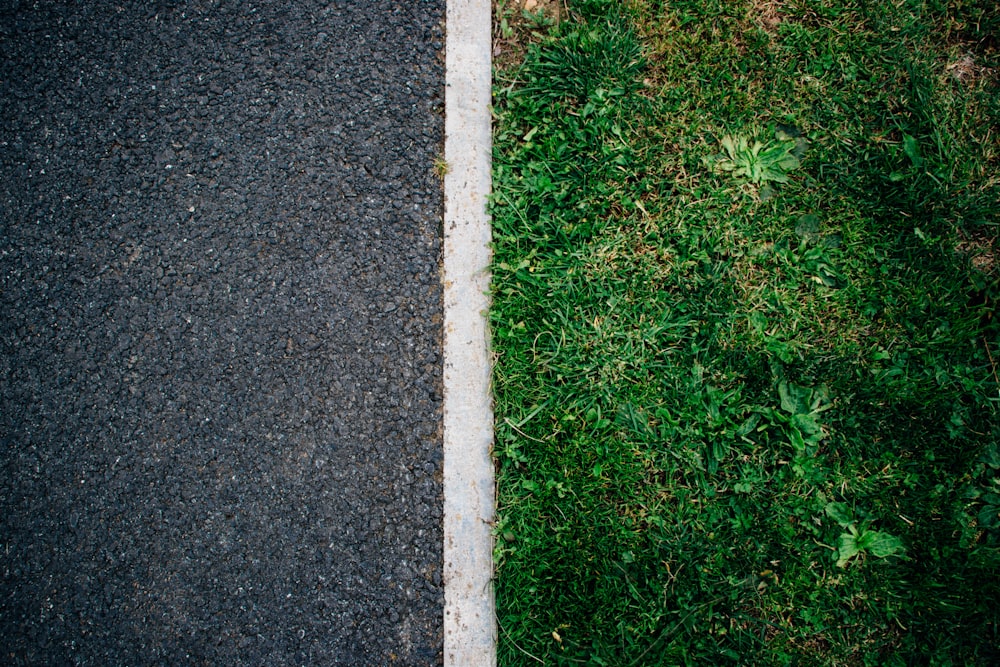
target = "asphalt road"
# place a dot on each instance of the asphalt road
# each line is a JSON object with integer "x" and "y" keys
{"x": 220, "y": 373}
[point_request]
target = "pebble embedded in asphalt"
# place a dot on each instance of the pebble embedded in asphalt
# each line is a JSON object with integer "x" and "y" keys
{"x": 220, "y": 373}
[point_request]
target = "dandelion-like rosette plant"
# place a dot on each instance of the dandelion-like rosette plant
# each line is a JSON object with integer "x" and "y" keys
{"x": 758, "y": 162}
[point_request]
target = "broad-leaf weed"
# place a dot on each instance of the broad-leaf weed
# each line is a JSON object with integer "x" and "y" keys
{"x": 756, "y": 162}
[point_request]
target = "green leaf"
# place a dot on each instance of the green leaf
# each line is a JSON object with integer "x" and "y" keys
{"x": 799, "y": 150}
{"x": 912, "y": 149}
{"x": 807, "y": 424}
{"x": 758, "y": 162}
{"x": 788, "y": 402}
{"x": 989, "y": 517}
{"x": 789, "y": 162}
{"x": 773, "y": 175}
{"x": 729, "y": 146}
{"x": 794, "y": 399}
{"x": 841, "y": 513}
{"x": 749, "y": 425}
{"x": 720, "y": 449}
{"x": 827, "y": 276}
{"x": 881, "y": 544}
{"x": 725, "y": 165}
{"x": 798, "y": 442}
{"x": 991, "y": 456}
{"x": 786, "y": 133}
{"x": 847, "y": 548}
{"x": 808, "y": 227}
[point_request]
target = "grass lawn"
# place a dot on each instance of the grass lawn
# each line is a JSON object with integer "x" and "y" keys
{"x": 746, "y": 333}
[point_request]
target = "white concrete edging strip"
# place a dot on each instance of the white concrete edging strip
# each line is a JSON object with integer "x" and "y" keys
{"x": 469, "y": 614}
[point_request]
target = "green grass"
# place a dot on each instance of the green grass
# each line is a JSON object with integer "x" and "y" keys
{"x": 748, "y": 415}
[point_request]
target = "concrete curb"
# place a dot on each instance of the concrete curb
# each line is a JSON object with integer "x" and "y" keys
{"x": 469, "y": 614}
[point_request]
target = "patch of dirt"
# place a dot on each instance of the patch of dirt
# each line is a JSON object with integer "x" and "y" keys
{"x": 966, "y": 70}
{"x": 981, "y": 248}
{"x": 767, "y": 15}
{"x": 513, "y": 27}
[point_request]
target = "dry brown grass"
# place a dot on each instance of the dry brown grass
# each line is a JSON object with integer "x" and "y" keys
{"x": 767, "y": 15}
{"x": 510, "y": 44}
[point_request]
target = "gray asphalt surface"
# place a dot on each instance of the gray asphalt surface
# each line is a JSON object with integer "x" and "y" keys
{"x": 220, "y": 374}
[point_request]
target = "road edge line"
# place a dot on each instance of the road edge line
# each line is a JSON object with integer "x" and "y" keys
{"x": 469, "y": 614}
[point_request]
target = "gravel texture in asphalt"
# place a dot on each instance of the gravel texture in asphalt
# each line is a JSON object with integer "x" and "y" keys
{"x": 220, "y": 383}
